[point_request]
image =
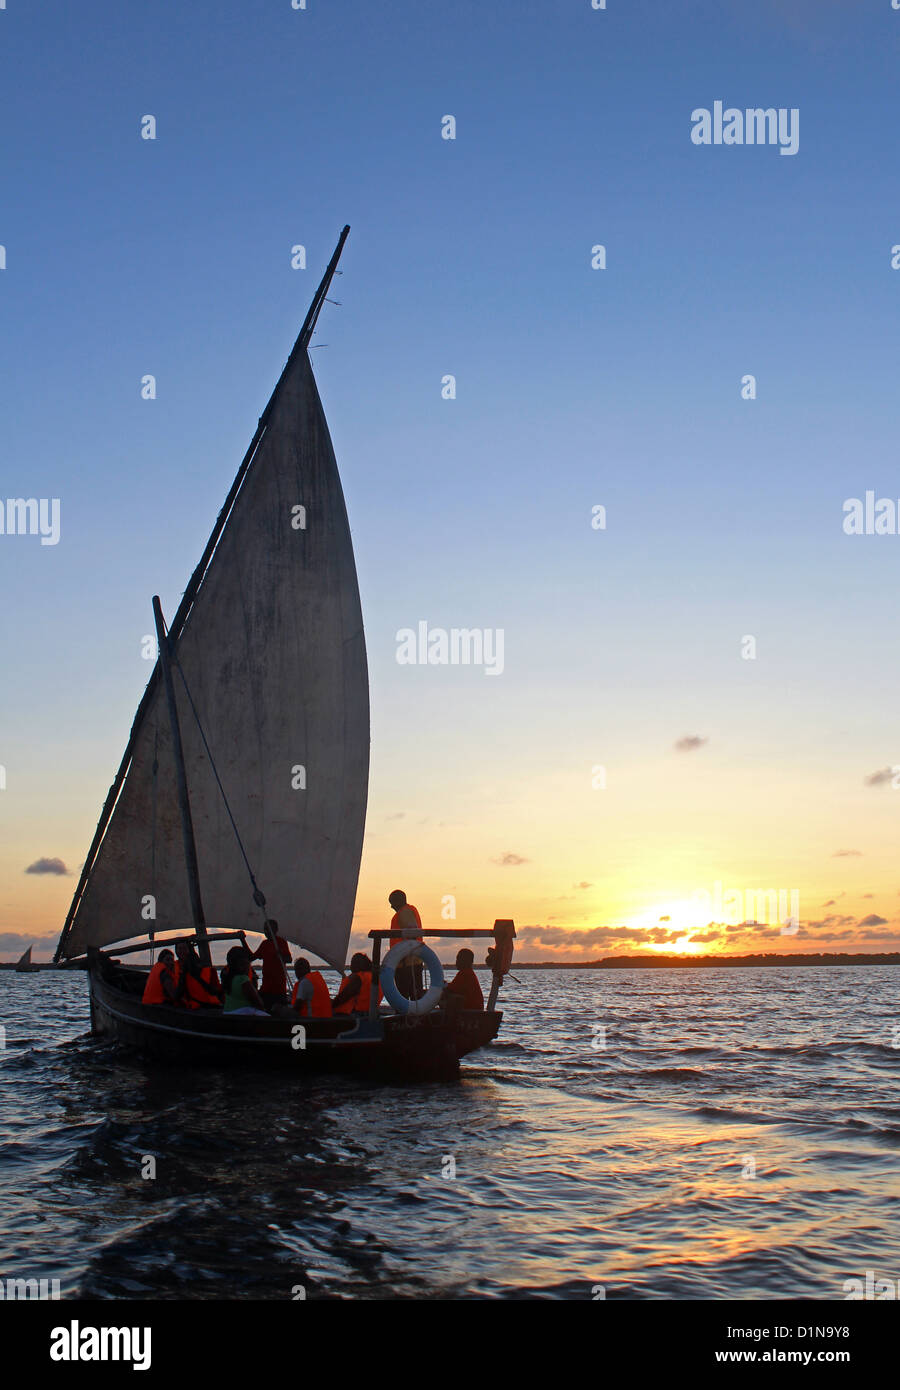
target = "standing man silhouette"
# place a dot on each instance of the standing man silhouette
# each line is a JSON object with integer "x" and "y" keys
{"x": 409, "y": 975}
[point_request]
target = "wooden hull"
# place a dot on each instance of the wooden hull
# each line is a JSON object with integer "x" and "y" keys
{"x": 388, "y": 1048}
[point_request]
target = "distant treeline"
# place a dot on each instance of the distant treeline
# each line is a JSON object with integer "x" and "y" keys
{"x": 38, "y": 965}
{"x": 662, "y": 962}
{"x": 645, "y": 962}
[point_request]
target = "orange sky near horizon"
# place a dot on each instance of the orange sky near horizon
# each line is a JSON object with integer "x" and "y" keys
{"x": 615, "y": 877}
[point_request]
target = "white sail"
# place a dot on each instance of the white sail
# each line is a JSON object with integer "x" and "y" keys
{"x": 273, "y": 654}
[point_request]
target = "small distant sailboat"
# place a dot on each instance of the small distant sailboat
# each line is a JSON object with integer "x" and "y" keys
{"x": 247, "y": 769}
{"x": 24, "y": 965}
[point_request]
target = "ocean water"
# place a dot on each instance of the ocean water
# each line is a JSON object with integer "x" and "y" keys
{"x": 642, "y": 1134}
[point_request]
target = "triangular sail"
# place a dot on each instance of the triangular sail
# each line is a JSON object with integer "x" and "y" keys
{"x": 273, "y": 655}
{"x": 24, "y": 958}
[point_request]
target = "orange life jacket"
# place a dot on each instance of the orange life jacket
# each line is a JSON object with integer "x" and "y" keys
{"x": 320, "y": 1004}
{"x": 194, "y": 993}
{"x": 153, "y": 990}
{"x": 359, "y": 1004}
{"x": 396, "y": 924}
{"x": 208, "y": 973}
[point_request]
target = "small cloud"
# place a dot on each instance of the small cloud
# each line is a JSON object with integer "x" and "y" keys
{"x": 868, "y": 895}
{"x": 878, "y": 779}
{"x": 398, "y": 815}
{"x": 830, "y": 903}
{"x": 509, "y": 860}
{"x": 664, "y": 919}
{"x": 690, "y": 742}
{"x": 582, "y": 885}
{"x": 848, "y": 853}
{"x": 873, "y": 920}
{"x": 47, "y": 866}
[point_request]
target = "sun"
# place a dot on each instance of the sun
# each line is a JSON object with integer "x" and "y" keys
{"x": 682, "y": 947}
{"x": 683, "y": 917}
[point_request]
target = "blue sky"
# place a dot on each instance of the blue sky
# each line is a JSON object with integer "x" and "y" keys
{"x": 574, "y": 387}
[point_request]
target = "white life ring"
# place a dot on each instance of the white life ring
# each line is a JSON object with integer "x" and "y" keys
{"x": 395, "y": 955}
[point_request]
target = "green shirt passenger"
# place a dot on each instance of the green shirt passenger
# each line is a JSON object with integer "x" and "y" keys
{"x": 241, "y": 996}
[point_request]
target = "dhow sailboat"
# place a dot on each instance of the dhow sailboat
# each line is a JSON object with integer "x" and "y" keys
{"x": 242, "y": 790}
{"x": 24, "y": 964}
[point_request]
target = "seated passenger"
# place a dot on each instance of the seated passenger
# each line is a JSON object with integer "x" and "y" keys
{"x": 464, "y": 991}
{"x": 310, "y": 998}
{"x": 356, "y": 991}
{"x": 161, "y": 986}
{"x": 241, "y": 996}
{"x": 196, "y": 984}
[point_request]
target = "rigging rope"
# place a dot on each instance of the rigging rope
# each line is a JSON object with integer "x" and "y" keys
{"x": 153, "y": 833}
{"x": 259, "y": 896}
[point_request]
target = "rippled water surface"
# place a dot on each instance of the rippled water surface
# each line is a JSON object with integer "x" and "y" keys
{"x": 665, "y": 1134}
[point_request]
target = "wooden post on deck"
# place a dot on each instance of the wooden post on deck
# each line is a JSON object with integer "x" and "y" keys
{"x": 376, "y": 971}
{"x": 504, "y": 931}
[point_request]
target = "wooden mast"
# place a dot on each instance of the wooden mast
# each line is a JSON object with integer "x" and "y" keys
{"x": 190, "y": 592}
{"x": 184, "y": 805}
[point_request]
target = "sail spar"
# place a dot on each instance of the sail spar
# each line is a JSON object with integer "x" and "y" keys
{"x": 273, "y": 655}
